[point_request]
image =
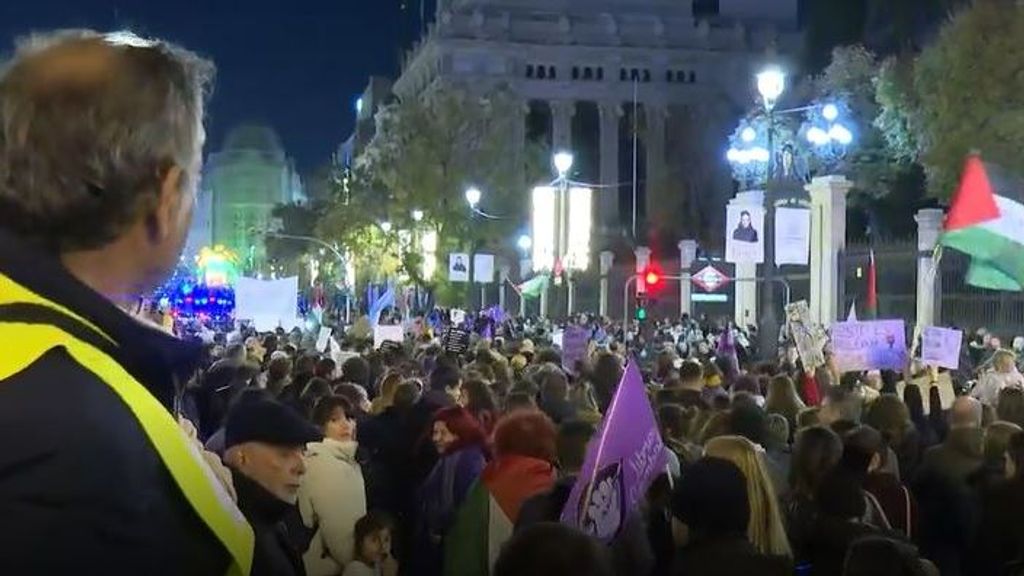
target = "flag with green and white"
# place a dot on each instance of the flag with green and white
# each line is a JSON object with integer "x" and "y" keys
{"x": 533, "y": 287}
{"x": 986, "y": 222}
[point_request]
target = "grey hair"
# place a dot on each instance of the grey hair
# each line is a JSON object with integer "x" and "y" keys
{"x": 90, "y": 124}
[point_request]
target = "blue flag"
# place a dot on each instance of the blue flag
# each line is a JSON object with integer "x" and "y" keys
{"x": 386, "y": 300}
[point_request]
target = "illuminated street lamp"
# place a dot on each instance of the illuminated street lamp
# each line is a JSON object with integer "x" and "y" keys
{"x": 561, "y": 232}
{"x": 525, "y": 243}
{"x": 563, "y": 163}
{"x": 417, "y": 215}
{"x": 473, "y": 196}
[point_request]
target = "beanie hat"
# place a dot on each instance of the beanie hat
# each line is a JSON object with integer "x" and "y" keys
{"x": 270, "y": 422}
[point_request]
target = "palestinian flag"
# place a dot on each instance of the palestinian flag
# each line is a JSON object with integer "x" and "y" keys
{"x": 533, "y": 287}
{"x": 986, "y": 222}
{"x": 488, "y": 515}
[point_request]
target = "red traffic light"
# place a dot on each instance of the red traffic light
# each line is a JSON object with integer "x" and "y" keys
{"x": 651, "y": 278}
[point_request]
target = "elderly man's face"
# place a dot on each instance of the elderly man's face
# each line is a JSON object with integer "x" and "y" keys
{"x": 278, "y": 469}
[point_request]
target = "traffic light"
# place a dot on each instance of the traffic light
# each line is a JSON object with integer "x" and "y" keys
{"x": 651, "y": 279}
{"x": 641, "y": 308}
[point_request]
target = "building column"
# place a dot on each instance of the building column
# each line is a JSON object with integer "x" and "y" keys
{"x": 658, "y": 207}
{"x": 828, "y": 243}
{"x": 562, "y": 112}
{"x": 607, "y": 261}
{"x": 687, "y": 255}
{"x": 929, "y": 281}
{"x": 504, "y": 273}
{"x": 519, "y": 143}
{"x": 611, "y": 114}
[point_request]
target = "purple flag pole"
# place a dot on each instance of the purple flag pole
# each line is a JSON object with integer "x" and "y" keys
{"x": 622, "y": 461}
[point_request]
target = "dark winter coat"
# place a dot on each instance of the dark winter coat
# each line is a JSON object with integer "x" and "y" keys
{"x": 727, "y": 556}
{"x": 82, "y": 489}
{"x": 274, "y": 554}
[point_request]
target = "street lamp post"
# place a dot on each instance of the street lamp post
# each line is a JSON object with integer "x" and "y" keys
{"x": 770, "y": 84}
{"x": 342, "y": 263}
{"x": 823, "y": 130}
{"x": 563, "y": 163}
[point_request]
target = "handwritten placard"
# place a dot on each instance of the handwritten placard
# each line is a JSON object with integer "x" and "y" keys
{"x": 941, "y": 347}
{"x": 810, "y": 338}
{"x": 878, "y": 344}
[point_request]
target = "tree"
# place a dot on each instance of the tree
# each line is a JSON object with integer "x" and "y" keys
{"x": 425, "y": 153}
{"x": 964, "y": 92}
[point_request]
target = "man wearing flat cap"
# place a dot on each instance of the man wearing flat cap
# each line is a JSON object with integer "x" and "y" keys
{"x": 265, "y": 441}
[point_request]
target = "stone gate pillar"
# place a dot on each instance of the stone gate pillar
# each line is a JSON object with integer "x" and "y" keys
{"x": 828, "y": 243}
{"x": 929, "y": 279}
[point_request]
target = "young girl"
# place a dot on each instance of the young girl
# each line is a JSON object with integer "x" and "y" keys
{"x": 373, "y": 547}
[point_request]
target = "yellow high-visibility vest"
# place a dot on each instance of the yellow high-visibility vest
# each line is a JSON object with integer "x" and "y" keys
{"x": 23, "y": 344}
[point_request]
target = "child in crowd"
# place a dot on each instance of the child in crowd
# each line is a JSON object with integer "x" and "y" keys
{"x": 373, "y": 547}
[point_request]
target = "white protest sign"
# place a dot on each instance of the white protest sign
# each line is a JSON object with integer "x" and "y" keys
{"x": 322, "y": 339}
{"x": 943, "y": 381}
{"x": 879, "y": 344}
{"x": 941, "y": 347}
{"x": 382, "y": 334}
{"x": 458, "y": 267}
{"x": 267, "y": 303}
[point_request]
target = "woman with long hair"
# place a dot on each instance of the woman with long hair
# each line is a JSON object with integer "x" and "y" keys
{"x": 890, "y": 416}
{"x": 765, "y": 530}
{"x": 816, "y": 452}
{"x": 462, "y": 444}
{"x": 782, "y": 399}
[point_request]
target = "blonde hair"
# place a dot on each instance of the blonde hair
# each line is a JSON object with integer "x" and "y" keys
{"x": 765, "y": 530}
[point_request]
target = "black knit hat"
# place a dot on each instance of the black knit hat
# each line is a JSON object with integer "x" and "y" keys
{"x": 712, "y": 498}
{"x": 270, "y": 422}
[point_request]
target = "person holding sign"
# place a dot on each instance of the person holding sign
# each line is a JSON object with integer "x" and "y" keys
{"x": 1004, "y": 374}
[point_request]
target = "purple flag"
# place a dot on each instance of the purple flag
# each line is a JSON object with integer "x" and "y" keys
{"x": 623, "y": 458}
{"x": 574, "y": 346}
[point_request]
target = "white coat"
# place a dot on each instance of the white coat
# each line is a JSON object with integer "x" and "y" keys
{"x": 332, "y": 497}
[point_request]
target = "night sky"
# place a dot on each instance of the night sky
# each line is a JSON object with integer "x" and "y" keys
{"x": 296, "y": 65}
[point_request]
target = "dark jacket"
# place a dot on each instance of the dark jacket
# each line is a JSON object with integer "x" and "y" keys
{"x": 999, "y": 544}
{"x": 439, "y": 499}
{"x": 631, "y": 549}
{"x": 82, "y": 489}
{"x": 728, "y": 556}
{"x": 947, "y": 504}
{"x": 274, "y": 554}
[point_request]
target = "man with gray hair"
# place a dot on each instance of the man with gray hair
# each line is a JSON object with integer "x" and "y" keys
{"x": 943, "y": 491}
{"x": 101, "y": 141}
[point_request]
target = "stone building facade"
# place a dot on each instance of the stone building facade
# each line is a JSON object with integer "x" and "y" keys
{"x": 242, "y": 183}
{"x": 592, "y": 73}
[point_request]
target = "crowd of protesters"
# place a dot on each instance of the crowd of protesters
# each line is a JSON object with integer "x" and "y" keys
{"x": 128, "y": 450}
{"x": 463, "y": 458}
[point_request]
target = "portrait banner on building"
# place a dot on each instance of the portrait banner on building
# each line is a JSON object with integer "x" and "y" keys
{"x": 744, "y": 236}
{"x": 458, "y": 267}
{"x": 483, "y": 268}
{"x": 792, "y": 236}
